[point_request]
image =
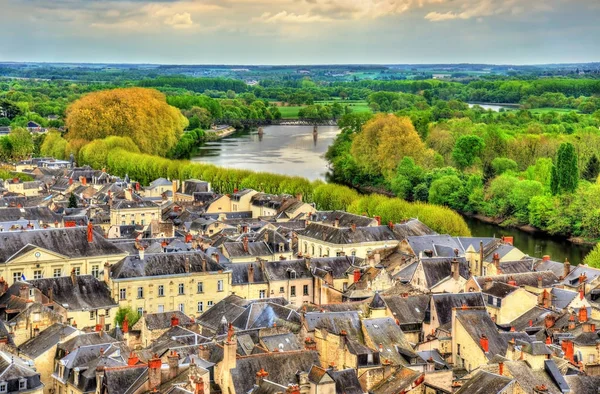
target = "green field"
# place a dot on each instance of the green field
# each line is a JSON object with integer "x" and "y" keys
{"x": 357, "y": 106}
{"x": 290, "y": 112}
{"x": 557, "y": 110}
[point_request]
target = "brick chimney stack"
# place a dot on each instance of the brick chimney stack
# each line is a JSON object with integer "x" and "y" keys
{"x": 173, "y": 360}
{"x": 583, "y": 315}
{"x": 154, "y": 378}
{"x": 260, "y": 376}
{"x": 90, "y": 232}
{"x": 245, "y": 244}
{"x": 251, "y": 273}
{"x": 125, "y": 327}
{"x": 356, "y": 276}
{"x": 455, "y": 269}
{"x": 24, "y": 291}
{"x": 485, "y": 344}
{"x": 174, "y": 321}
{"x": 566, "y": 268}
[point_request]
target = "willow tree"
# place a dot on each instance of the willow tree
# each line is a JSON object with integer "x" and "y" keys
{"x": 138, "y": 113}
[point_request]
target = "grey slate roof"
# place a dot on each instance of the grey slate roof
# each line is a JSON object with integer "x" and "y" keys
{"x": 499, "y": 289}
{"x": 255, "y": 249}
{"x": 582, "y": 384}
{"x": 70, "y": 242}
{"x": 523, "y": 279}
{"x": 346, "y": 381}
{"x": 282, "y": 342}
{"x": 283, "y": 269}
{"x": 385, "y": 332}
{"x": 159, "y": 321}
{"x": 437, "y": 269}
{"x": 46, "y": 339}
{"x": 477, "y": 322}
{"x": 87, "y": 293}
{"x": 408, "y": 310}
{"x": 282, "y": 368}
{"x": 163, "y": 264}
{"x": 335, "y": 322}
{"x": 561, "y": 298}
{"x": 344, "y": 235}
{"x": 239, "y": 273}
{"x": 42, "y": 214}
{"x": 346, "y": 219}
{"x": 444, "y": 303}
{"x": 485, "y": 382}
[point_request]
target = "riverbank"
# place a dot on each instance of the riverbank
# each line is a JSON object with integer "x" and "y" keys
{"x": 219, "y": 132}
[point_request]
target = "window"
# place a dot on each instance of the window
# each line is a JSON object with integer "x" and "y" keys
{"x": 293, "y": 291}
{"x": 161, "y": 290}
{"x": 261, "y": 294}
{"x": 292, "y": 274}
{"x": 140, "y": 311}
{"x": 95, "y": 271}
{"x": 92, "y": 315}
{"x": 305, "y": 290}
{"x": 320, "y": 251}
{"x": 23, "y": 384}
{"x": 209, "y": 303}
{"x": 353, "y": 253}
{"x": 107, "y": 312}
{"x": 77, "y": 271}
{"x": 200, "y": 287}
{"x": 140, "y": 293}
{"x": 181, "y": 308}
{"x": 220, "y": 285}
{"x": 305, "y": 248}
{"x": 200, "y": 306}
{"x": 181, "y": 289}
{"x": 338, "y": 254}
{"x": 2, "y": 387}
{"x": 591, "y": 358}
{"x": 281, "y": 289}
{"x": 37, "y": 274}
{"x": 57, "y": 272}
{"x": 345, "y": 286}
{"x": 17, "y": 276}
{"x": 122, "y": 294}
{"x": 490, "y": 300}
{"x": 313, "y": 250}
{"x": 498, "y": 302}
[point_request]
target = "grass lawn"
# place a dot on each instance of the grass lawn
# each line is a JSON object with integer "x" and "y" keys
{"x": 557, "y": 110}
{"x": 357, "y": 106}
{"x": 290, "y": 112}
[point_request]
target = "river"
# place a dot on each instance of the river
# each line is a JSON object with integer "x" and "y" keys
{"x": 495, "y": 107}
{"x": 290, "y": 150}
{"x": 535, "y": 245}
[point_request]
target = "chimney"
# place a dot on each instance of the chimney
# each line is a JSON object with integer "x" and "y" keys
{"x": 496, "y": 260}
{"x": 74, "y": 325}
{"x": 566, "y": 268}
{"x": 299, "y": 197}
{"x": 512, "y": 282}
{"x": 480, "y": 273}
{"x": 215, "y": 256}
{"x": 484, "y": 343}
{"x": 391, "y": 225}
{"x": 70, "y": 181}
{"x": 199, "y": 386}
{"x": 378, "y": 219}
{"x": 133, "y": 359}
{"x": 173, "y": 360}
{"x": 142, "y": 253}
{"x": 260, "y": 376}
{"x": 36, "y": 331}
{"x": 292, "y": 389}
{"x": 137, "y": 186}
{"x": 251, "y": 273}
{"x": 187, "y": 264}
{"x": 90, "y": 233}
{"x": 154, "y": 378}
{"x": 508, "y": 240}
{"x": 549, "y": 321}
{"x": 583, "y": 315}
{"x": 73, "y": 277}
{"x": 106, "y": 272}
{"x": 50, "y": 295}
{"x": 581, "y": 292}
{"x": 245, "y": 244}
{"x": 174, "y": 321}
{"x": 540, "y": 283}
{"x": 567, "y": 348}
{"x": 174, "y": 189}
{"x": 455, "y": 269}
{"x": 546, "y": 258}
{"x": 125, "y": 327}
{"x": 353, "y": 227}
{"x": 204, "y": 352}
{"x": 356, "y": 276}
{"x": 501, "y": 368}
{"x": 188, "y": 238}
{"x": 24, "y": 291}
{"x": 336, "y": 222}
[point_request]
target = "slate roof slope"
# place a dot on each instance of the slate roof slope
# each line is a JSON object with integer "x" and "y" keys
{"x": 240, "y": 272}
{"x": 477, "y": 322}
{"x": 87, "y": 293}
{"x": 13, "y": 368}
{"x": 499, "y": 289}
{"x": 282, "y": 368}
{"x": 346, "y": 381}
{"x": 411, "y": 228}
{"x": 267, "y": 314}
{"x": 518, "y": 266}
{"x": 86, "y": 339}
{"x": 45, "y": 340}
{"x": 282, "y": 269}
{"x": 335, "y": 322}
{"x": 338, "y": 266}
{"x": 582, "y": 384}
{"x": 43, "y": 214}
{"x": 346, "y": 219}
{"x": 70, "y": 242}
{"x": 397, "y": 382}
{"x": 163, "y": 264}
{"x": 561, "y": 298}
{"x": 410, "y": 309}
{"x": 444, "y": 303}
{"x": 528, "y": 379}
{"x": 590, "y": 273}
{"x": 549, "y": 279}
{"x": 124, "y": 380}
{"x": 255, "y": 248}
{"x": 384, "y": 331}
{"x": 437, "y": 269}
{"x": 162, "y": 320}
{"x": 344, "y": 235}
{"x": 230, "y": 308}
{"x": 485, "y": 382}
{"x": 282, "y": 342}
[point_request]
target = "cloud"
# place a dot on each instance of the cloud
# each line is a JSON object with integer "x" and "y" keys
{"x": 285, "y": 17}
{"x": 180, "y": 21}
{"x": 468, "y": 9}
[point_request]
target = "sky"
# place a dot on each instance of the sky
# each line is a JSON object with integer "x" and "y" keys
{"x": 300, "y": 31}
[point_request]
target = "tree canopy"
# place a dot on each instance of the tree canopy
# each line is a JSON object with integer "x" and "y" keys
{"x": 141, "y": 114}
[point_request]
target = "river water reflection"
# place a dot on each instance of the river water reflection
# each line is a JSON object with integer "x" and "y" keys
{"x": 290, "y": 150}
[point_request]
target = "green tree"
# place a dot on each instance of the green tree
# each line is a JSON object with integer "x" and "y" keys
{"x": 592, "y": 169}
{"x": 503, "y": 164}
{"x": 565, "y": 173}
{"x": 54, "y": 145}
{"x": 21, "y": 143}
{"x": 132, "y": 316}
{"x": 72, "y": 201}
{"x": 467, "y": 149}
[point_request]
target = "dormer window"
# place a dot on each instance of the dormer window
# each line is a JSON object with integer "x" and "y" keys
{"x": 292, "y": 274}
{"x": 23, "y": 384}
{"x": 3, "y": 387}
{"x": 281, "y": 247}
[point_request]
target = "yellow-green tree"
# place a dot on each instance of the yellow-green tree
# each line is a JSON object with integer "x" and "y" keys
{"x": 384, "y": 141}
{"x": 54, "y": 145}
{"x": 138, "y": 113}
